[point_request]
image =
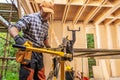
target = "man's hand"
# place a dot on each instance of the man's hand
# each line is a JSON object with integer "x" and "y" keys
{"x": 19, "y": 40}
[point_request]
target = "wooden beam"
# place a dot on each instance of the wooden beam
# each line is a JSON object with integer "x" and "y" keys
{"x": 51, "y": 18}
{"x": 111, "y": 16}
{"x": 60, "y": 1}
{"x": 19, "y": 9}
{"x": 26, "y": 6}
{"x": 106, "y": 21}
{"x": 112, "y": 20}
{"x": 36, "y": 5}
{"x": 33, "y": 6}
{"x": 103, "y": 16}
{"x": 117, "y": 21}
{"x": 79, "y": 13}
{"x": 78, "y": 2}
{"x": 37, "y": 1}
{"x": 117, "y": 12}
{"x": 94, "y": 11}
{"x": 67, "y": 6}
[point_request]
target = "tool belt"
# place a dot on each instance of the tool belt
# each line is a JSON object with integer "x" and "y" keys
{"x": 24, "y": 57}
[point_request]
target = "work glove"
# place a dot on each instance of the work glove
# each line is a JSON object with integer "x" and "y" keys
{"x": 19, "y": 40}
{"x": 23, "y": 57}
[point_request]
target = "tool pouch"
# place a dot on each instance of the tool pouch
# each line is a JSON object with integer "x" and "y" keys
{"x": 23, "y": 57}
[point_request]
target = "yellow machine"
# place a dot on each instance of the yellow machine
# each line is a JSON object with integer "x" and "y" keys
{"x": 58, "y": 53}
{"x": 65, "y": 53}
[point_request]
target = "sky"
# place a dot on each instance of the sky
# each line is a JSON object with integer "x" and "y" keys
{"x": 5, "y": 1}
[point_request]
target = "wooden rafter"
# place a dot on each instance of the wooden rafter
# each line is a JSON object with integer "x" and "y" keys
{"x": 19, "y": 9}
{"x": 117, "y": 12}
{"x": 79, "y": 13}
{"x": 26, "y": 6}
{"x": 34, "y": 5}
{"x": 67, "y": 7}
{"x": 114, "y": 16}
{"x": 117, "y": 21}
{"x": 110, "y": 21}
{"x": 94, "y": 11}
{"x": 106, "y": 14}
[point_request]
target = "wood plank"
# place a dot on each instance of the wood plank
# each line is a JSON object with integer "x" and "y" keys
{"x": 117, "y": 21}
{"x": 79, "y": 13}
{"x": 98, "y": 73}
{"x": 19, "y": 9}
{"x": 107, "y": 13}
{"x": 26, "y": 6}
{"x": 67, "y": 7}
{"x": 94, "y": 11}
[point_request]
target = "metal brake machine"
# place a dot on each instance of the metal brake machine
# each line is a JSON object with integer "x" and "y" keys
{"x": 64, "y": 52}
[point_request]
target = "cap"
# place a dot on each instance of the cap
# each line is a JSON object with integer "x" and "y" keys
{"x": 47, "y": 6}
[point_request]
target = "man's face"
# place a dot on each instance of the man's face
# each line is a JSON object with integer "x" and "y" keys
{"x": 46, "y": 15}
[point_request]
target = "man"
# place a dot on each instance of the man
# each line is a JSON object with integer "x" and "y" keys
{"x": 35, "y": 29}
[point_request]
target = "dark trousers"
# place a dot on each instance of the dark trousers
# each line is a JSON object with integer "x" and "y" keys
{"x": 34, "y": 70}
{"x": 69, "y": 75}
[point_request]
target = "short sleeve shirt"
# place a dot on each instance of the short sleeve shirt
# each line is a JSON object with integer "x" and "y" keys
{"x": 34, "y": 29}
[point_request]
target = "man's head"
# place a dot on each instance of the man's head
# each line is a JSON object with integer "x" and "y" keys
{"x": 47, "y": 8}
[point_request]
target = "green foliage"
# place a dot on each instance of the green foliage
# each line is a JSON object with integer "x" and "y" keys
{"x": 11, "y": 76}
{"x": 90, "y": 41}
{"x": 10, "y": 51}
{"x": 11, "y": 71}
{"x": 91, "y": 61}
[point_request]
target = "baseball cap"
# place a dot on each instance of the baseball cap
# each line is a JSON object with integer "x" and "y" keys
{"x": 47, "y": 6}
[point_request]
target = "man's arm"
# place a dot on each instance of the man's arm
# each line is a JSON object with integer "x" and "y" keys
{"x": 15, "y": 34}
{"x": 46, "y": 43}
{"x": 13, "y": 31}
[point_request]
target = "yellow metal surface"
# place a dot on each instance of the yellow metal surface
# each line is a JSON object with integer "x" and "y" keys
{"x": 42, "y": 50}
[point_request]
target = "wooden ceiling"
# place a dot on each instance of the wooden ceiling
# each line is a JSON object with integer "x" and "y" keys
{"x": 96, "y": 11}
{"x": 86, "y": 11}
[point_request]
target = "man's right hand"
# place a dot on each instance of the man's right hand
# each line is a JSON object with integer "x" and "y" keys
{"x": 19, "y": 40}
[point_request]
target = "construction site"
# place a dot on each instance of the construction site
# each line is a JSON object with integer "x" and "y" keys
{"x": 84, "y": 36}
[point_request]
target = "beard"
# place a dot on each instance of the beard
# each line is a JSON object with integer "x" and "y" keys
{"x": 45, "y": 16}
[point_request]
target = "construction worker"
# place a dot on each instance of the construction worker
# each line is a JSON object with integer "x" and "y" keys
{"x": 35, "y": 33}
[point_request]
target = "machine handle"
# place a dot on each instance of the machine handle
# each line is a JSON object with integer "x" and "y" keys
{"x": 19, "y": 46}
